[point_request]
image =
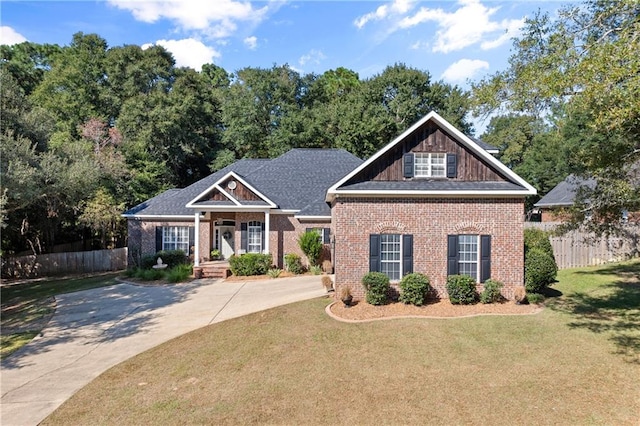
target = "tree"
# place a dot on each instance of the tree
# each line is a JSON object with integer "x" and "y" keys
{"x": 582, "y": 68}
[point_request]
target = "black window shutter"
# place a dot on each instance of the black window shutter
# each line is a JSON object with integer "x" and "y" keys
{"x": 407, "y": 254}
{"x": 452, "y": 165}
{"x": 244, "y": 244}
{"x": 452, "y": 255}
{"x": 374, "y": 253}
{"x": 326, "y": 235}
{"x": 408, "y": 165}
{"x": 192, "y": 239}
{"x": 158, "y": 238}
{"x": 485, "y": 257}
{"x": 263, "y": 233}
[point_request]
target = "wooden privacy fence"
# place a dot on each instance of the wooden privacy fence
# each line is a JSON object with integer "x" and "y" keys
{"x": 579, "y": 249}
{"x": 80, "y": 262}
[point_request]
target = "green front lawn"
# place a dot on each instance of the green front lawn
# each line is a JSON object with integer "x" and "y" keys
{"x": 577, "y": 362}
{"x": 26, "y": 307}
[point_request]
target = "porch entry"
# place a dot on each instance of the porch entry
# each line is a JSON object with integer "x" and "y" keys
{"x": 223, "y": 238}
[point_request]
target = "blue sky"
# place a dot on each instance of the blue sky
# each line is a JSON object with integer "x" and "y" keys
{"x": 456, "y": 41}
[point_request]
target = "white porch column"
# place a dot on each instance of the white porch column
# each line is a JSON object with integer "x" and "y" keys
{"x": 196, "y": 241}
{"x": 267, "y": 227}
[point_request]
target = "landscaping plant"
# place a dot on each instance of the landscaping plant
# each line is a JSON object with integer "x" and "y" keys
{"x": 461, "y": 289}
{"x": 414, "y": 289}
{"x": 293, "y": 264}
{"x": 491, "y": 292}
{"x": 250, "y": 264}
{"x": 377, "y": 287}
{"x": 311, "y": 245}
{"x": 540, "y": 270}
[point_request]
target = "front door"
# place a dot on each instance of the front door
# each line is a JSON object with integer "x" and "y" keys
{"x": 227, "y": 247}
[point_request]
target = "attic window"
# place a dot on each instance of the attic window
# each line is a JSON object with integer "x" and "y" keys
{"x": 430, "y": 165}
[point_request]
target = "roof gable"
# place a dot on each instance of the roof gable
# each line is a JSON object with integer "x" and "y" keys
{"x": 377, "y": 167}
{"x": 234, "y": 188}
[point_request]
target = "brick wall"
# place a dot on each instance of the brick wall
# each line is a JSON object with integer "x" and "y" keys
{"x": 283, "y": 235}
{"x": 429, "y": 221}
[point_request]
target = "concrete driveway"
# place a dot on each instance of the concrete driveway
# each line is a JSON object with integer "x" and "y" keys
{"x": 94, "y": 330}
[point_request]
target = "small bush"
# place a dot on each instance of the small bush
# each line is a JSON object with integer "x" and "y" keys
{"x": 537, "y": 239}
{"x": 130, "y": 272}
{"x": 461, "y": 289}
{"x": 327, "y": 282}
{"x": 414, "y": 288}
{"x": 315, "y": 270}
{"x": 250, "y": 264}
{"x": 293, "y": 264}
{"x": 311, "y": 245}
{"x": 179, "y": 273}
{"x": 172, "y": 258}
{"x": 377, "y": 286}
{"x": 147, "y": 261}
{"x": 274, "y": 272}
{"x": 539, "y": 270}
{"x": 491, "y": 292}
{"x": 535, "y": 298}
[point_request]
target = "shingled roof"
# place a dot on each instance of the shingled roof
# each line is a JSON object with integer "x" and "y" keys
{"x": 297, "y": 180}
{"x": 564, "y": 193}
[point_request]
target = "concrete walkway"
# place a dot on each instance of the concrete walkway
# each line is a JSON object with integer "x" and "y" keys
{"x": 94, "y": 330}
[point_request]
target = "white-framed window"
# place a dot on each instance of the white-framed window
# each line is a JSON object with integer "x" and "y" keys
{"x": 468, "y": 255}
{"x": 428, "y": 164}
{"x": 324, "y": 234}
{"x": 175, "y": 238}
{"x": 254, "y": 237}
{"x": 391, "y": 256}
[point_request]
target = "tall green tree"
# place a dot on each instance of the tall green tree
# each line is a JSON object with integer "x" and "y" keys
{"x": 582, "y": 69}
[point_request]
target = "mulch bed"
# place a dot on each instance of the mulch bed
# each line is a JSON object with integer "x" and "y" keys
{"x": 363, "y": 311}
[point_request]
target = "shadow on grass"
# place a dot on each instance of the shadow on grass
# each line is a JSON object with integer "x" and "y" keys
{"x": 612, "y": 309}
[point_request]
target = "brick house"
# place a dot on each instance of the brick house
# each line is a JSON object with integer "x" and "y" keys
{"x": 433, "y": 201}
{"x": 250, "y": 206}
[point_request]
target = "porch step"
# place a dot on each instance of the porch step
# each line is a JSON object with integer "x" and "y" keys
{"x": 210, "y": 271}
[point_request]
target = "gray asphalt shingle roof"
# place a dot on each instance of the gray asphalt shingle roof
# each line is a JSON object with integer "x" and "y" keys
{"x": 563, "y": 194}
{"x": 433, "y": 185}
{"x": 297, "y": 180}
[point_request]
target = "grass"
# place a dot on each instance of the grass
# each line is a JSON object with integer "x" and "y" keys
{"x": 27, "y": 306}
{"x": 574, "y": 363}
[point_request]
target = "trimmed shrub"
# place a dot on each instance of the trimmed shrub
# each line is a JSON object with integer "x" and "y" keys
{"x": 540, "y": 270}
{"x": 491, "y": 292}
{"x": 535, "y": 238}
{"x": 172, "y": 258}
{"x": 535, "y": 298}
{"x": 293, "y": 264}
{"x": 377, "y": 286}
{"x": 311, "y": 245}
{"x": 147, "y": 261}
{"x": 179, "y": 273}
{"x": 250, "y": 264}
{"x": 461, "y": 289}
{"x": 414, "y": 288}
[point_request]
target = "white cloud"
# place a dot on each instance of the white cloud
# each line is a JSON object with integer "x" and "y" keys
{"x": 251, "y": 42}
{"x": 216, "y": 19}
{"x": 398, "y": 7}
{"x": 463, "y": 69}
{"x": 471, "y": 23}
{"x": 9, "y": 36}
{"x": 420, "y": 45}
{"x": 188, "y": 52}
{"x": 314, "y": 56}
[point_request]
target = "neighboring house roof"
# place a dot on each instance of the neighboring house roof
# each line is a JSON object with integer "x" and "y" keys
{"x": 295, "y": 181}
{"x": 482, "y": 144}
{"x": 564, "y": 193}
{"x": 514, "y": 184}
